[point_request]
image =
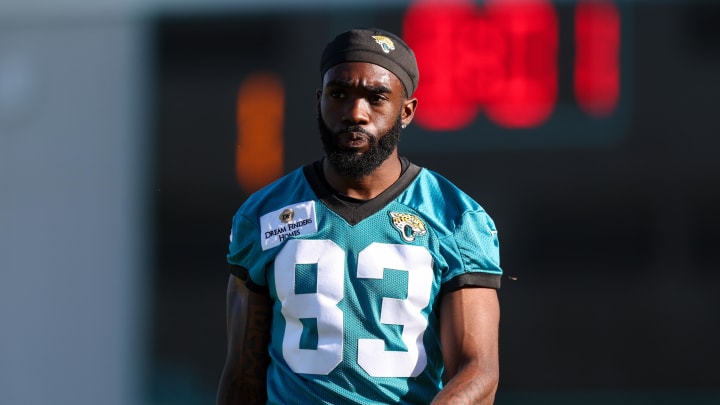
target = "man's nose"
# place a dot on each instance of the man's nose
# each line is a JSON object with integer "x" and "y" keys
{"x": 356, "y": 111}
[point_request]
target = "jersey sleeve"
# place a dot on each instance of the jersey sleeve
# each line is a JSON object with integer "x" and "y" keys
{"x": 245, "y": 252}
{"x": 477, "y": 259}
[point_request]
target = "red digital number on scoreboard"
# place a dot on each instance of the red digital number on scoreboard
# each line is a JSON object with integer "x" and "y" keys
{"x": 501, "y": 58}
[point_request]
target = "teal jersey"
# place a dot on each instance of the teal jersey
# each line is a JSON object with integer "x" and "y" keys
{"x": 356, "y": 287}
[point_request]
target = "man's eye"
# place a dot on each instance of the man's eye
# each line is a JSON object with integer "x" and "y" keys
{"x": 376, "y": 98}
{"x": 337, "y": 94}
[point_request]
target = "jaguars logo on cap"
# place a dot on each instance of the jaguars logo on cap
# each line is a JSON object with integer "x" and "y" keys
{"x": 385, "y": 43}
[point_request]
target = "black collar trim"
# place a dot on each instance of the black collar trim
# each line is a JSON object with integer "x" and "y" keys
{"x": 352, "y": 209}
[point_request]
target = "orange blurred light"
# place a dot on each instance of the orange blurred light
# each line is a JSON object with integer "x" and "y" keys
{"x": 260, "y": 119}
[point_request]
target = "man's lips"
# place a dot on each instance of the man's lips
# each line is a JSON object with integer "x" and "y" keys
{"x": 353, "y": 139}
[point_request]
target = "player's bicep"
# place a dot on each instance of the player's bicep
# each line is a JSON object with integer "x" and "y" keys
{"x": 469, "y": 321}
{"x": 249, "y": 317}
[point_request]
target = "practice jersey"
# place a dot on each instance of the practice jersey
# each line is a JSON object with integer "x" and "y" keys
{"x": 356, "y": 287}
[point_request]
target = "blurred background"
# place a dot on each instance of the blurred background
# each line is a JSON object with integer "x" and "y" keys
{"x": 131, "y": 131}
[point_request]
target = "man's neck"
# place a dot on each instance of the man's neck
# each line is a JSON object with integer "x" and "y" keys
{"x": 366, "y": 187}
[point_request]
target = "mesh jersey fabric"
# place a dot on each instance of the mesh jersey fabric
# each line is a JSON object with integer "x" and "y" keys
{"x": 355, "y": 313}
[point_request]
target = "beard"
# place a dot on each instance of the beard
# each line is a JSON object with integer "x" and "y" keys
{"x": 351, "y": 163}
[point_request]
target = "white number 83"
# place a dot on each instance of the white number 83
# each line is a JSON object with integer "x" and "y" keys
{"x": 329, "y": 259}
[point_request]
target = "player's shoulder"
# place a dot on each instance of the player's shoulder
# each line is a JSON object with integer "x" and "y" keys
{"x": 444, "y": 191}
{"x": 442, "y": 203}
{"x": 288, "y": 189}
{"x": 449, "y": 210}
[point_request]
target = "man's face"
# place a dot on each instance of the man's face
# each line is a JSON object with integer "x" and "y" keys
{"x": 350, "y": 162}
{"x": 361, "y": 110}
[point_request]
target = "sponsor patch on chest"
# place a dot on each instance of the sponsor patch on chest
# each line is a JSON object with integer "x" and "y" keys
{"x": 293, "y": 220}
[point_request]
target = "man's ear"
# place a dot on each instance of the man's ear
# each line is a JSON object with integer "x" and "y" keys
{"x": 408, "y": 111}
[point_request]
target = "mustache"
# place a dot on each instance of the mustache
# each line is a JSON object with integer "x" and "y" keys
{"x": 357, "y": 129}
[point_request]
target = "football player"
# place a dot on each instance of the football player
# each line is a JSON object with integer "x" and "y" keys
{"x": 362, "y": 277}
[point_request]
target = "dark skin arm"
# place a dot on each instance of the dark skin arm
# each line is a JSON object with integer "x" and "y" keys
{"x": 249, "y": 316}
{"x": 469, "y": 321}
